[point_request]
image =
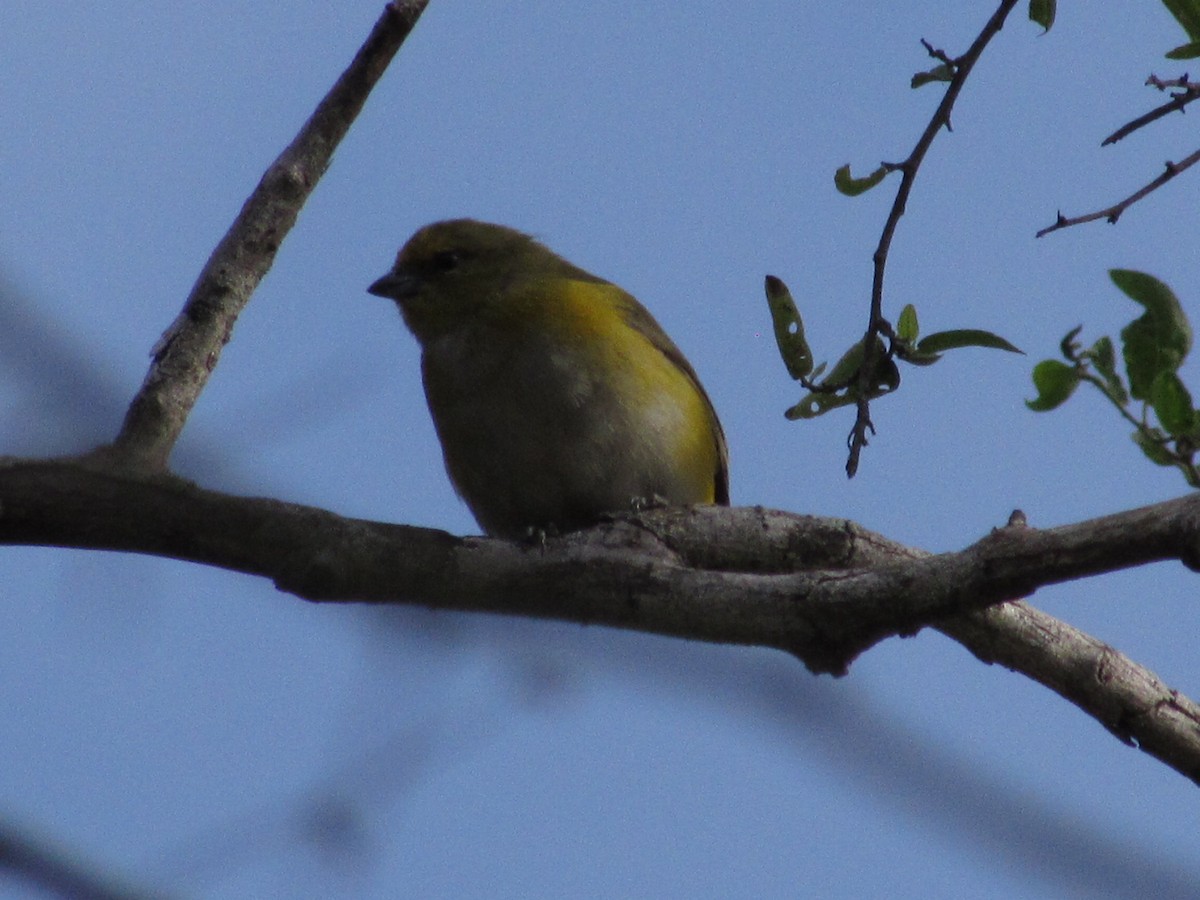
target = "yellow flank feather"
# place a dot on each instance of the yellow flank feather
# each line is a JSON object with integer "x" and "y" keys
{"x": 557, "y": 397}
{"x": 666, "y": 398}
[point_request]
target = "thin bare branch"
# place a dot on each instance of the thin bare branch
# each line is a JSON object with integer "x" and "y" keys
{"x": 1189, "y": 91}
{"x": 962, "y": 66}
{"x": 1112, "y": 213}
{"x": 188, "y": 351}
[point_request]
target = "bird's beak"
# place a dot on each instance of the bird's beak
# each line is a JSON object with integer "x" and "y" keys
{"x": 394, "y": 285}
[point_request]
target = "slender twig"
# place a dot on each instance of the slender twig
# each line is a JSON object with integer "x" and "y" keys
{"x": 940, "y": 55}
{"x": 962, "y": 66}
{"x": 1112, "y": 213}
{"x": 1189, "y": 91}
{"x": 187, "y": 353}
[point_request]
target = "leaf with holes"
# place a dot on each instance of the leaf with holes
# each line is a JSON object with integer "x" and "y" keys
{"x": 789, "y": 329}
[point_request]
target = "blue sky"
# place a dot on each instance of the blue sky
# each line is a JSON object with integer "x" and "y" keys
{"x": 195, "y": 731}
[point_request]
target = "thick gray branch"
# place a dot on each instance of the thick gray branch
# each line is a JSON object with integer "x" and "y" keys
{"x": 822, "y": 589}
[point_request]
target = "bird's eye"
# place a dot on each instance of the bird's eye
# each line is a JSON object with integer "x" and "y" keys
{"x": 446, "y": 260}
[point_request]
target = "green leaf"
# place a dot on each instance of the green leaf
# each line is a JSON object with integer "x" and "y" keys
{"x": 1185, "y": 51}
{"x": 1055, "y": 382}
{"x": 845, "y": 370}
{"x": 1157, "y": 341}
{"x": 851, "y": 186}
{"x": 907, "y": 328}
{"x": 905, "y": 345}
{"x": 819, "y": 402}
{"x": 941, "y": 341}
{"x": 789, "y": 329}
{"x": 1041, "y": 12}
{"x": 845, "y": 373}
{"x": 816, "y": 404}
{"x": 1173, "y": 404}
{"x": 1154, "y": 449}
{"x": 887, "y": 378}
{"x": 1187, "y": 14}
{"x": 943, "y": 72}
{"x": 846, "y": 367}
{"x": 916, "y": 357}
{"x": 1104, "y": 357}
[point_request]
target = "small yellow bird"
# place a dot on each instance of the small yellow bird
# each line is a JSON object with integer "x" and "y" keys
{"x": 557, "y": 397}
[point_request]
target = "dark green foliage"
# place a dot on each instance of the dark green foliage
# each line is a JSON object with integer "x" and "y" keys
{"x": 846, "y": 383}
{"x": 1153, "y": 347}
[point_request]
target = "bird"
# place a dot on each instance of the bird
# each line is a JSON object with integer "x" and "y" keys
{"x": 557, "y": 398}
